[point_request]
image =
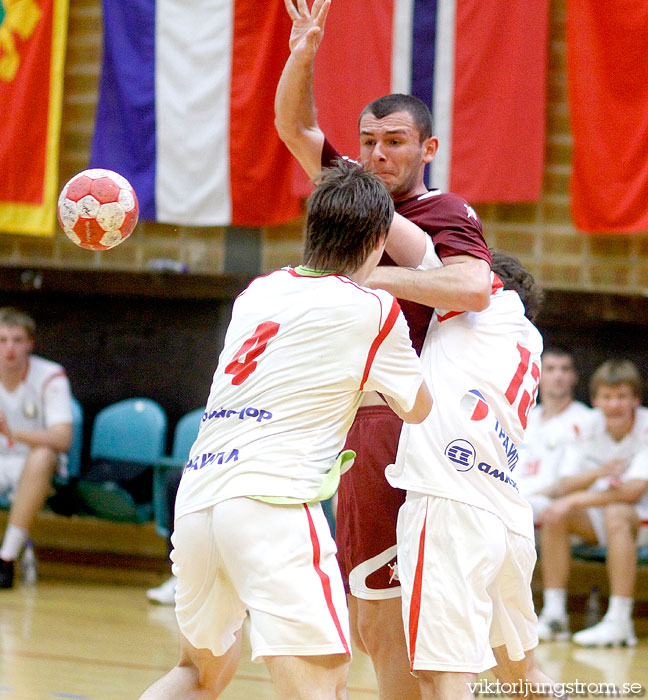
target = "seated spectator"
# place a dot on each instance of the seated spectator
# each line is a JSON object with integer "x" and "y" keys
{"x": 555, "y": 422}
{"x": 35, "y": 430}
{"x": 602, "y": 496}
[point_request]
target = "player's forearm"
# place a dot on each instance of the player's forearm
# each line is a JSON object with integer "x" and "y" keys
{"x": 628, "y": 492}
{"x": 579, "y": 482}
{"x": 296, "y": 115}
{"x": 455, "y": 287}
{"x": 570, "y": 484}
{"x": 406, "y": 242}
{"x": 419, "y": 411}
{"x": 57, "y": 437}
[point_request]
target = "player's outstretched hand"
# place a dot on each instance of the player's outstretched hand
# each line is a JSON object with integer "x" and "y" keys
{"x": 307, "y": 26}
{"x": 4, "y": 427}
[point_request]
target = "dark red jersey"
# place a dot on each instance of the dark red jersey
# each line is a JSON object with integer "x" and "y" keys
{"x": 454, "y": 227}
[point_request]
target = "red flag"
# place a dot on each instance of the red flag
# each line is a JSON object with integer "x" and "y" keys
{"x": 32, "y": 52}
{"x": 260, "y": 174}
{"x": 481, "y": 68}
{"x": 607, "y": 70}
{"x": 498, "y": 119}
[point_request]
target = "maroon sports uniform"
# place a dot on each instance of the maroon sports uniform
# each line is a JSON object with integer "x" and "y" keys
{"x": 368, "y": 506}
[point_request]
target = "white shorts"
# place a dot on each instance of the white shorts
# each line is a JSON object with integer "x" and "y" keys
{"x": 277, "y": 562}
{"x": 11, "y": 469}
{"x": 466, "y": 582}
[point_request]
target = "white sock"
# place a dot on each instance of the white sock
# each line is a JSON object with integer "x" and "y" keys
{"x": 619, "y": 608}
{"x": 13, "y": 542}
{"x": 555, "y": 603}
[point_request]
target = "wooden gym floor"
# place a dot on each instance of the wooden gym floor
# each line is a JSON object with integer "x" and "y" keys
{"x": 99, "y": 641}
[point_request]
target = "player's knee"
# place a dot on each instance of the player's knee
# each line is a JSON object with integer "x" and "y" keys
{"x": 371, "y": 630}
{"x": 619, "y": 520}
{"x": 41, "y": 462}
{"x": 356, "y": 639}
{"x": 365, "y": 628}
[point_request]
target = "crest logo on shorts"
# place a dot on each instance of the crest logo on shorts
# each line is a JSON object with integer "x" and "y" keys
{"x": 393, "y": 572}
{"x": 462, "y": 454}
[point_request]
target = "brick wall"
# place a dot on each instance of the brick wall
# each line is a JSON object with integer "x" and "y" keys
{"x": 541, "y": 234}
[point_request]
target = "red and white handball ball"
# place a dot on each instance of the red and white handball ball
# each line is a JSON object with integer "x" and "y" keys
{"x": 98, "y": 209}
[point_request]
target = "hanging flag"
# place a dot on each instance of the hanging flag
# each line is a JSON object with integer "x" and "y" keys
{"x": 32, "y": 53}
{"x": 480, "y": 66}
{"x": 186, "y": 110}
{"x": 607, "y": 73}
{"x": 186, "y": 99}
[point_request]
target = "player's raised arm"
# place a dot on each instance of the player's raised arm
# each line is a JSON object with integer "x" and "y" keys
{"x": 295, "y": 112}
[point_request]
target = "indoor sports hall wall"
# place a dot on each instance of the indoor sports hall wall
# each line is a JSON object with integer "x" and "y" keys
{"x": 122, "y": 329}
{"x": 541, "y": 233}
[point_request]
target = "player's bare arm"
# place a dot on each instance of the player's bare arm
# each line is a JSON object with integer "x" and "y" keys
{"x": 57, "y": 437}
{"x": 628, "y": 492}
{"x": 462, "y": 284}
{"x": 406, "y": 242}
{"x": 419, "y": 411}
{"x": 295, "y": 111}
{"x": 582, "y": 481}
{"x": 4, "y": 427}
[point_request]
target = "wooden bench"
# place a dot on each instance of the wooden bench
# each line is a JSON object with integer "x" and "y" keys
{"x": 588, "y": 570}
{"x": 86, "y": 548}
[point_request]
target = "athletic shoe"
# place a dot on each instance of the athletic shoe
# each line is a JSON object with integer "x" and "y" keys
{"x": 163, "y": 594}
{"x": 607, "y": 633}
{"x": 553, "y": 629}
{"x": 6, "y": 574}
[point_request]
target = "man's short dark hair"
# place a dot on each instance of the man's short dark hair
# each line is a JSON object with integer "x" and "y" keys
{"x": 516, "y": 277}
{"x": 347, "y": 214}
{"x": 383, "y": 106}
{"x": 558, "y": 351}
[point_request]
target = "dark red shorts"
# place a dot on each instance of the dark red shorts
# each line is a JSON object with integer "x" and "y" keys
{"x": 367, "y": 509}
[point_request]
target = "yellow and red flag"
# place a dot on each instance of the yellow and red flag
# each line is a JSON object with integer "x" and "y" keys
{"x": 32, "y": 52}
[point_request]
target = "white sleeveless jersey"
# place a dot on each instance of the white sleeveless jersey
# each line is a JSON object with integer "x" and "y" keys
{"x": 41, "y": 400}
{"x": 298, "y": 354}
{"x": 545, "y": 444}
{"x": 483, "y": 370}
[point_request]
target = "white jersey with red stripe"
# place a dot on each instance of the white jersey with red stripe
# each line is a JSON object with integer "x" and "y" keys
{"x": 41, "y": 400}
{"x": 482, "y": 369}
{"x": 299, "y": 352}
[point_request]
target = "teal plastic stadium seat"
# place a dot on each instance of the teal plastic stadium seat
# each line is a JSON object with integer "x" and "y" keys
{"x": 132, "y": 430}
{"x": 74, "y": 454}
{"x": 183, "y": 438}
{"x": 596, "y": 552}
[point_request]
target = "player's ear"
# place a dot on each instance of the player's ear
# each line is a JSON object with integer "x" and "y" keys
{"x": 380, "y": 245}
{"x": 430, "y": 147}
